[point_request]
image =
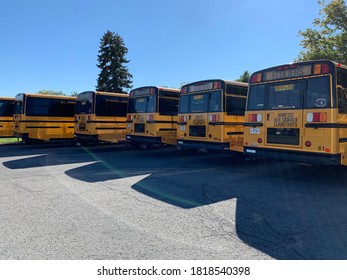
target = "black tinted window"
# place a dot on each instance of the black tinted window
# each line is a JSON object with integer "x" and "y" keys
{"x": 235, "y": 106}
{"x": 256, "y": 97}
{"x": 318, "y": 93}
{"x": 111, "y": 106}
{"x": 49, "y": 107}
{"x": 184, "y": 104}
{"x": 6, "y": 108}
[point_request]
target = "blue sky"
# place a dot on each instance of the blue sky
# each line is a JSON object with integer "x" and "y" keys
{"x": 53, "y": 44}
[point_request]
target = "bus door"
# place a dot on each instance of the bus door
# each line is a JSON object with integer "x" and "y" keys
{"x": 284, "y": 118}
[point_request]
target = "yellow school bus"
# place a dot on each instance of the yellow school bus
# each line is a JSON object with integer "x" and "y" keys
{"x": 101, "y": 117}
{"x": 298, "y": 112}
{"x": 211, "y": 115}
{"x": 152, "y": 116}
{"x": 6, "y": 117}
{"x": 40, "y": 117}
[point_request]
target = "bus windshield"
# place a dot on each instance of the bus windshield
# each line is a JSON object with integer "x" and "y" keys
{"x": 142, "y": 104}
{"x": 6, "y": 108}
{"x": 299, "y": 94}
{"x": 201, "y": 102}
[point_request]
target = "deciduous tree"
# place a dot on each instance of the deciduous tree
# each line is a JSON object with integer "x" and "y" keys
{"x": 329, "y": 39}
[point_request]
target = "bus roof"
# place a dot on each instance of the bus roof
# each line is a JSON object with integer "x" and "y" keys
{"x": 236, "y": 83}
{"x": 106, "y": 93}
{"x": 156, "y": 87}
{"x": 6, "y": 98}
{"x": 295, "y": 69}
{"x": 212, "y": 84}
{"x": 45, "y": 96}
{"x": 146, "y": 90}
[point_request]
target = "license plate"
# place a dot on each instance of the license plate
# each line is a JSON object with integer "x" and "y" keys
{"x": 251, "y": 151}
{"x": 254, "y": 130}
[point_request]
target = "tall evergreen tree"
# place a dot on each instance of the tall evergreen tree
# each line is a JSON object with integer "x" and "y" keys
{"x": 114, "y": 75}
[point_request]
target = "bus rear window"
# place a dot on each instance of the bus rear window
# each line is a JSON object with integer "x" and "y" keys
{"x": 84, "y": 107}
{"x": 184, "y": 104}
{"x": 318, "y": 93}
{"x": 285, "y": 96}
{"x": 256, "y": 97}
{"x": 199, "y": 103}
{"x": 145, "y": 104}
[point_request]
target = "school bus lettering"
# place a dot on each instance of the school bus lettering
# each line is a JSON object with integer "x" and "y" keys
{"x": 199, "y": 120}
{"x": 291, "y": 72}
{"x": 286, "y": 120}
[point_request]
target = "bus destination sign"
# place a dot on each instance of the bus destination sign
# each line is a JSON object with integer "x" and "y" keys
{"x": 141, "y": 91}
{"x": 298, "y": 71}
{"x": 200, "y": 87}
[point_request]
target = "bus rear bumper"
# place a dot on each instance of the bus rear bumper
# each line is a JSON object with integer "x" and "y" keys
{"x": 87, "y": 137}
{"x": 192, "y": 144}
{"x": 300, "y": 157}
{"x": 143, "y": 139}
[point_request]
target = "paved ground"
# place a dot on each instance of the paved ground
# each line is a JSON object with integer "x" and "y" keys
{"x": 110, "y": 202}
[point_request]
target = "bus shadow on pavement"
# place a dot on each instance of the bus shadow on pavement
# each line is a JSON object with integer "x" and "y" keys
{"x": 297, "y": 213}
{"x": 283, "y": 209}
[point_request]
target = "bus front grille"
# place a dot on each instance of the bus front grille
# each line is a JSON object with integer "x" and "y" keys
{"x": 197, "y": 131}
{"x": 286, "y": 136}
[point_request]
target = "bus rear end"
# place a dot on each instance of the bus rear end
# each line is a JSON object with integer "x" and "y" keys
{"x": 100, "y": 117}
{"x": 211, "y": 118}
{"x": 152, "y": 116}
{"x": 291, "y": 114}
{"x": 6, "y": 117}
{"x": 18, "y": 114}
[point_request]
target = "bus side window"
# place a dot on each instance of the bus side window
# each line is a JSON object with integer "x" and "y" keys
{"x": 342, "y": 101}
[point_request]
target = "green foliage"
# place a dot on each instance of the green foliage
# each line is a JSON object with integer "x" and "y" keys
{"x": 329, "y": 40}
{"x": 114, "y": 75}
{"x": 51, "y": 92}
{"x": 244, "y": 77}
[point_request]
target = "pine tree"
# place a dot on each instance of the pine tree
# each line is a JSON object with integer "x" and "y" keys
{"x": 114, "y": 75}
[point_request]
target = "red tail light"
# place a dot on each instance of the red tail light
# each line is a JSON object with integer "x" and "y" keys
{"x": 255, "y": 78}
{"x": 317, "y": 117}
{"x": 217, "y": 85}
{"x": 214, "y": 118}
{"x": 182, "y": 118}
{"x": 255, "y": 118}
{"x": 321, "y": 69}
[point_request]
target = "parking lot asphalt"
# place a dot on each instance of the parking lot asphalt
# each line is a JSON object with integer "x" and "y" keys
{"x": 113, "y": 202}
